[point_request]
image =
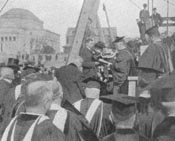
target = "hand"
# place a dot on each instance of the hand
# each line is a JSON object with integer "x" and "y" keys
{"x": 97, "y": 63}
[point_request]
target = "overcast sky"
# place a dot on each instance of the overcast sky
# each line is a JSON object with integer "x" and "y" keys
{"x": 58, "y": 15}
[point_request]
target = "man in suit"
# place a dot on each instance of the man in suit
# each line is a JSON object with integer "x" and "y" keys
{"x": 33, "y": 124}
{"x": 6, "y": 99}
{"x": 89, "y": 63}
{"x": 144, "y": 21}
{"x": 156, "y": 18}
{"x": 124, "y": 117}
{"x": 95, "y": 111}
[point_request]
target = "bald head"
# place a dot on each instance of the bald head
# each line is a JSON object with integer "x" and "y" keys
{"x": 38, "y": 93}
{"x": 7, "y": 73}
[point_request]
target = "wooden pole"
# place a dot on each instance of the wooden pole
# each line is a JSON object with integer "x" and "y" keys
{"x": 167, "y": 16}
{"x": 107, "y": 19}
{"x": 148, "y": 6}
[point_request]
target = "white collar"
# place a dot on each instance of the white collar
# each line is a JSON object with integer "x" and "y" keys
{"x": 55, "y": 107}
{"x": 31, "y": 113}
{"x": 7, "y": 80}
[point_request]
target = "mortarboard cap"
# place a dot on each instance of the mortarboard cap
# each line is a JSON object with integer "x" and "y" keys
{"x": 123, "y": 106}
{"x": 93, "y": 84}
{"x": 153, "y": 31}
{"x": 118, "y": 39}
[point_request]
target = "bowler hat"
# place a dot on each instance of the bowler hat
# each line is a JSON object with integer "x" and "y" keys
{"x": 123, "y": 106}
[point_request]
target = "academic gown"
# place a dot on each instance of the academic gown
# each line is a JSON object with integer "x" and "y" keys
{"x": 106, "y": 126}
{"x": 44, "y": 131}
{"x": 153, "y": 62}
{"x": 165, "y": 131}
{"x": 6, "y": 102}
{"x": 124, "y": 135}
{"x": 70, "y": 78}
{"x": 75, "y": 127}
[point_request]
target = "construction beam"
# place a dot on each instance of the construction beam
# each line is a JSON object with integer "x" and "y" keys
{"x": 86, "y": 17}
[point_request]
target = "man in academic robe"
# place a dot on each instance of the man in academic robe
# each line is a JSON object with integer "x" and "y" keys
{"x": 154, "y": 61}
{"x": 123, "y": 115}
{"x": 70, "y": 77}
{"x": 75, "y": 127}
{"x": 95, "y": 111}
{"x": 34, "y": 125}
{"x": 165, "y": 130}
{"x": 123, "y": 66}
{"x": 6, "y": 99}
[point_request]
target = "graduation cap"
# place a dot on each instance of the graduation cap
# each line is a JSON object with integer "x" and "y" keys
{"x": 118, "y": 39}
{"x": 153, "y": 31}
{"x": 123, "y": 106}
{"x": 93, "y": 84}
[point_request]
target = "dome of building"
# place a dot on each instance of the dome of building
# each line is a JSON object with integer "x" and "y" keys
{"x": 18, "y": 13}
{"x": 20, "y": 18}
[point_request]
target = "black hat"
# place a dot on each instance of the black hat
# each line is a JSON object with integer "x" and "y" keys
{"x": 153, "y": 31}
{"x": 12, "y": 62}
{"x": 99, "y": 45}
{"x": 154, "y": 9}
{"x": 93, "y": 84}
{"x": 123, "y": 106}
{"x": 118, "y": 39}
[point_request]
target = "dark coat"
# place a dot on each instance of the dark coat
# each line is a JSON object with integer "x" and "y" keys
{"x": 107, "y": 126}
{"x": 45, "y": 131}
{"x": 165, "y": 131}
{"x": 153, "y": 62}
{"x": 7, "y": 99}
{"x": 157, "y": 19}
{"x": 89, "y": 68}
{"x": 75, "y": 127}
{"x": 70, "y": 78}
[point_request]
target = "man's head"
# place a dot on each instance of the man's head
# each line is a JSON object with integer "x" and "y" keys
{"x": 7, "y": 73}
{"x": 99, "y": 46}
{"x": 123, "y": 110}
{"x": 89, "y": 43}
{"x": 119, "y": 43}
{"x": 154, "y": 10}
{"x": 145, "y": 6}
{"x": 92, "y": 89}
{"x": 38, "y": 96}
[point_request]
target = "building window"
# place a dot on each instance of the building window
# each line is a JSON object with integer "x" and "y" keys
{"x": 10, "y": 38}
{"x": 2, "y": 39}
{"x": 14, "y": 38}
{"x": 6, "y": 39}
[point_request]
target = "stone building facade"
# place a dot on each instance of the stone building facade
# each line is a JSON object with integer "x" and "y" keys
{"x": 22, "y": 35}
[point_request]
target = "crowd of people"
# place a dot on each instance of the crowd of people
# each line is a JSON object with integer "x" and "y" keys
{"x": 87, "y": 100}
